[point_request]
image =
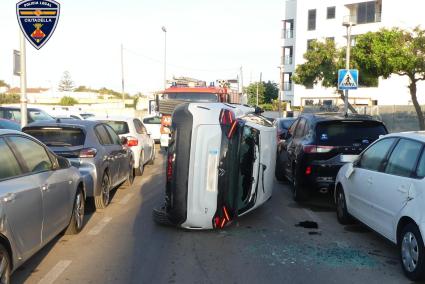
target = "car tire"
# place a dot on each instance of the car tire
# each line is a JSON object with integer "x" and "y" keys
{"x": 141, "y": 168}
{"x": 6, "y": 265}
{"x": 412, "y": 254}
{"x": 299, "y": 192}
{"x": 101, "y": 201}
{"x": 279, "y": 174}
{"x": 344, "y": 218}
{"x": 77, "y": 219}
{"x": 151, "y": 161}
{"x": 130, "y": 178}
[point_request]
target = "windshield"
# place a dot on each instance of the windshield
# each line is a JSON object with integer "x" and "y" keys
{"x": 58, "y": 136}
{"x": 347, "y": 133}
{"x": 38, "y": 115}
{"x": 120, "y": 127}
{"x": 192, "y": 97}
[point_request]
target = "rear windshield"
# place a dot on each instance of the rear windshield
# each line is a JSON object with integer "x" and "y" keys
{"x": 348, "y": 133}
{"x": 120, "y": 127}
{"x": 58, "y": 136}
{"x": 286, "y": 123}
{"x": 152, "y": 120}
{"x": 192, "y": 97}
{"x": 38, "y": 115}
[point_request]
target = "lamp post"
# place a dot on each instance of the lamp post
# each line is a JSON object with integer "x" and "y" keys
{"x": 164, "y": 29}
{"x": 348, "y": 24}
{"x": 23, "y": 65}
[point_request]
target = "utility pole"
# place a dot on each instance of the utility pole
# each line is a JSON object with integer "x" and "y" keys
{"x": 261, "y": 74}
{"x": 279, "y": 99}
{"x": 348, "y": 24}
{"x": 164, "y": 29}
{"x": 241, "y": 82}
{"x": 23, "y": 75}
{"x": 122, "y": 74}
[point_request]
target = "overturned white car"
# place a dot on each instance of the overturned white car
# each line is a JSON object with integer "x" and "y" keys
{"x": 220, "y": 165}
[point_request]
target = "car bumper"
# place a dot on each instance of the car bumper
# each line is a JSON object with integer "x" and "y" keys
{"x": 89, "y": 175}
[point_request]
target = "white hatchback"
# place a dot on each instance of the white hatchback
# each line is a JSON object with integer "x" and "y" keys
{"x": 384, "y": 189}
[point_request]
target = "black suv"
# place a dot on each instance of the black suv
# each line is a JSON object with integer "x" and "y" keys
{"x": 317, "y": 146}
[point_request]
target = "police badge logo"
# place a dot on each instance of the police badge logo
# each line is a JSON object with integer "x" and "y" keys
{"x": 38, "y": 20}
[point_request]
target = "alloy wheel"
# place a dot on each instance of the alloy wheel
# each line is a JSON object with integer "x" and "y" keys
{"x": 4, "y": 269}
{"x": 340, "y": 203}
{"x": 409, "y": 252}
{"x": 79, "y": 210}
{"x": 105, "y": 190}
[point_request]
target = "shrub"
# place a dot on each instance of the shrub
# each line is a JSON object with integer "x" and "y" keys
{"x": 68, "y": 101}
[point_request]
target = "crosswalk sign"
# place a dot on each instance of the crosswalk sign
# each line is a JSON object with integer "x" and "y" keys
{"x": 348, "y": 79}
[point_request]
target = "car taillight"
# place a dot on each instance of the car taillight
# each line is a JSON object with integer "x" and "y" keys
{"x": 170, "y": 161}
{"x": 312, "y": 149}
{"x": 132, "y": 141}
{"x": 308, "y": 170}
{"x": 165, "y": 130}
{"x": 88, "y": 153}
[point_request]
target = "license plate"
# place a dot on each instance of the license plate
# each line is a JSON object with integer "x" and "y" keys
{"x": 348, "y": 158}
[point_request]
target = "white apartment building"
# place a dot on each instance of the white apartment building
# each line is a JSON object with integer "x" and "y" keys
{"x": 306, "y": 20}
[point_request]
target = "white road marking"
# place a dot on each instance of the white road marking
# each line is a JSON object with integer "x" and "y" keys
{"x": 98, "y": 228}
{"x": 54, "y": 273}
{"x": 313, "y": 216}
{"x": 126, "y": 199}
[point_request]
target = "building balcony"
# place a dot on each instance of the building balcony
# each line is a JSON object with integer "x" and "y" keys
{"x": 365, "y": 19}
{"x": 287, "y": 86}
{"x": 286, "y": 60}
{"x": 287, "y": 34}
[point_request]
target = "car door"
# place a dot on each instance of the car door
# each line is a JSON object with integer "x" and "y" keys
{"x": 55, "y": 186}
{"x": 122, "y": 154}
{"x": 391, "y": 189}
{"x": 20, "y": 194}
{"x": 359, "y": 184}
{"x": 111, "y": 152}
{"x": 283, "y": 150}
{"x": 147, "y": 142}
{"x": 294, "y": 147}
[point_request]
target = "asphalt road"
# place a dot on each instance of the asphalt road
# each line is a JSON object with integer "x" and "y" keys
{"x": 122, "y": 244}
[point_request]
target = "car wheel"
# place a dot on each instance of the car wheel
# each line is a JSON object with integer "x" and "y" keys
{"x": 102, "y": 200}
{"x": 342, "y": 214}
{"x": 151, "y": 161}
{"x": 411, "y": 248}
{"x": 299, "y": 192}
{"x": 5, "y": 265}
{"x": 130, "y": 178}
{"x": 280, "y": 176}
{"x": 77, "y": 218}
{"x": 141, "y": 168}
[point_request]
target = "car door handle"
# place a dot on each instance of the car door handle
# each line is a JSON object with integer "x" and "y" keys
{"x": 44, "y": 187}
{"x": 402, "y": 189}
{"x": 9, "y": 197}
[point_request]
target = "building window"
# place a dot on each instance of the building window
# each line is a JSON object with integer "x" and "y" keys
{"x": 311, "y": 20}
{"x": 288, "y": 29}
{"x": 330, "y": 13}
{"x": 287, "y": 81}
{"x": 366, "y": 13}
{"x": 287, "y": 55}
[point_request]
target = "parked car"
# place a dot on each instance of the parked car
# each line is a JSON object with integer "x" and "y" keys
{"x": 94, "y": 148}
{"x": 153, "y": 125}
{"x": 41, "y": 195}
{"x": 318, "y": 145}
{"x": 220, "y": 165}
{"x": 9, "y": 124}
{"x": 384, "y": 189}
{"x": 14, "y": 113}
{"x": 282, "y": 125}
{"x": 138, "y": 139}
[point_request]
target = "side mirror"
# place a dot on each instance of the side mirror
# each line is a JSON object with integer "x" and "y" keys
{"x": 124, "y": 140}
{"x": 63, "y": 163}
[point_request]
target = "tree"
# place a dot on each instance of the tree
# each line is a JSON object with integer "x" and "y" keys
{"x": 66, "y": 84}
{"x": 394, "y": 51}
{"x": 4, "y": 84}
{"x": 68, "y": 101}
{"x": 251, "y": 91}
{"x": 271, "y": 92}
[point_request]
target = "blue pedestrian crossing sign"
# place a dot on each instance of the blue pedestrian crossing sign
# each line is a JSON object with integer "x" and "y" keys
{"x": 348, "y": 79}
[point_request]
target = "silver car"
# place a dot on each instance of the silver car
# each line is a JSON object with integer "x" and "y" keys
{"x": 94, "y": 148}
{"x": 41, "y": 194}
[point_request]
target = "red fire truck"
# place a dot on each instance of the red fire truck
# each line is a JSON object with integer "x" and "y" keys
{"x": 178, "y": 94}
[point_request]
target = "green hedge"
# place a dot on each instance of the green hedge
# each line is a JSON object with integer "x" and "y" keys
{"x": 10, "y": 98}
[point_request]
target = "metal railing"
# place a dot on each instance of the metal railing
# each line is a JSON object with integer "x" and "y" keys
{"x": 287, "y": 34}
{"x": 287, "y": 86}
{"x": 354, "y": 19}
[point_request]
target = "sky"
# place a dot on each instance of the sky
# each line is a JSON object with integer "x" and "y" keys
{"x": 206, "y": 39}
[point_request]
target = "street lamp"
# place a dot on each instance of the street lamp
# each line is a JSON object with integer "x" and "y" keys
{"x": 164, "y": 29}
{"x": 348, "y": 24}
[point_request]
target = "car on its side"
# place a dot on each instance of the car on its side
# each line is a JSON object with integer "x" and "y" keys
{"x": 94, "y": 148}
{"x": 41, "y": 196}
{"x": 153, "y": 125}
{"x": 318, "y": 145}
{"x": 282, "y": 125}
{"x": 9, "y": 124}
{"x": 384, "y": 189}
{"x": 138, "y": 139}
{"x": 33, "y": 114}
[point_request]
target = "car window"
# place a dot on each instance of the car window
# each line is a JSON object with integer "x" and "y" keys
{"x": 140, "y": 128}
{"x": 420, "y": 171}
{"x": 152, "y": 120}
{"x": 299, "y": 132}
{"x": 58, "y": 136}
{"x": 102, "y": 135}
{"x": 285, "y": 123}
{"x": 120, "y": 127}
{"x": 115, "y": 138}
{"x": 9, "y": 166}
{"x": 33, "y": 154}
{"x": 11, "y": 114}
{"x": 403, "y": 158}
{"x": 293, "y": 127}
{"x": 375, "y": 155}
{"x": 38, "y": 115}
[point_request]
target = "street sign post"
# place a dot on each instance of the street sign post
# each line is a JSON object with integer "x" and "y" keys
{"x": 16, "y": 63}
{"x": 348, "y": 79}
